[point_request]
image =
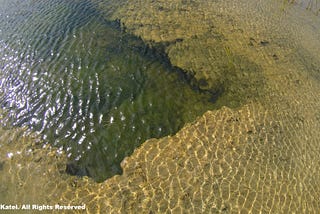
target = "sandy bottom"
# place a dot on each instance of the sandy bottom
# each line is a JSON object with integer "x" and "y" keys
{"x": 258, "y": 154}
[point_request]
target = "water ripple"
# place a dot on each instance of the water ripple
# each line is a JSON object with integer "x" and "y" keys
{"x": 86, "y": 86}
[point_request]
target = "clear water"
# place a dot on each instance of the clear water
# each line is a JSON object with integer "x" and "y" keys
{"x": 86, "y": 86}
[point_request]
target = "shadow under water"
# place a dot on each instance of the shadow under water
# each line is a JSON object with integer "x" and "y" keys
{"x": 88, "y": 87}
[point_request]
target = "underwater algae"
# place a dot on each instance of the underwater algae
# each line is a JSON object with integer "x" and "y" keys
{"x": 259, "y": 157}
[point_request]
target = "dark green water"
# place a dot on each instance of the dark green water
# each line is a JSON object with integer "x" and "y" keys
{"x": 86, "y": 86}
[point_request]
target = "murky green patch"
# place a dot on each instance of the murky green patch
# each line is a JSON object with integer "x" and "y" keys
{"x": 88, "y": 87}
{"x": 1, "y": 165}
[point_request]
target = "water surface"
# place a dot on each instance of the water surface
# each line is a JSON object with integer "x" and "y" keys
{"x": 86, "y": 86}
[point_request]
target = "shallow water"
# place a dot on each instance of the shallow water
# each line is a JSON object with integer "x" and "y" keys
{"x": 86, "y": 86}
{"x": 261, "y": 157}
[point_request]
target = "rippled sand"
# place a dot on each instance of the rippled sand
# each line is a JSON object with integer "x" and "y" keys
{"x": 260, "y": 154}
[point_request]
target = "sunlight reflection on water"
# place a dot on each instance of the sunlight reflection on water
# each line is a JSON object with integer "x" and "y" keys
{"x": 86, "y": 86}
